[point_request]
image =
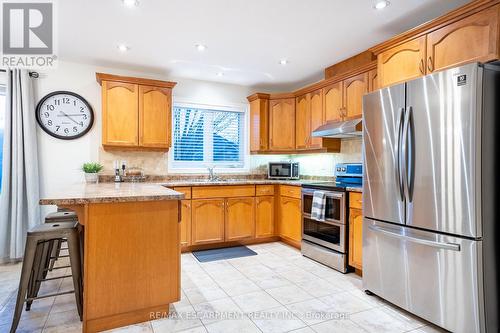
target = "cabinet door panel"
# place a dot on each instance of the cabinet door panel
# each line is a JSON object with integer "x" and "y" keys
{"x": 290, "y": 219}
{"x": 303, "y": 122}
{"x": 282, "y": 122}
{"x": 474, "y": 38}
{"x": 354, "y": 89}
{"x": 264, "y": 216}
{"x": 240, "y": 218}
{"x": 120, "y": 114}
{"x": 154, "y": 116}
{"x": 259, "y": 125}
{"x": 317, "y": 116}
{"x": 403, "y": 62}
{"x": 356, "y": 238}
{"x": 373, "y": 80}
{"x": 207, "y": 224}
{"x": 185, "y": 223}
{"x": 332, "y": 102}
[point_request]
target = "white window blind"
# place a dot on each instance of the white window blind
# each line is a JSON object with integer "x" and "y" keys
{"x": 205, "y": 137}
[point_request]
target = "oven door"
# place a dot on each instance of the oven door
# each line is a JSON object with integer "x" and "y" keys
{"x": 335, "y": 205}
{"x": 328, "y": 234}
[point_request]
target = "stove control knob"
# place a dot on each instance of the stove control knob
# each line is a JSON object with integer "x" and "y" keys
{"x": 343, "y": 169}
{"x": 338, "y": 169}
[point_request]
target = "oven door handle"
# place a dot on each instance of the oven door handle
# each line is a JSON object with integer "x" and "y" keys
{"x": 331, "y": 222}
{"x": 328, "y": 194}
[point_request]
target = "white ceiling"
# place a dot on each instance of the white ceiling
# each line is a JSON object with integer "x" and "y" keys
{"x": 245, "y": 38}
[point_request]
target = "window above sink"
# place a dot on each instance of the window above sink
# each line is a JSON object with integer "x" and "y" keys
{"x": 208, "y": 136}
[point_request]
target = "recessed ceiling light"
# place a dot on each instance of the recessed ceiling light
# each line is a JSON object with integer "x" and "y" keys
{"x": 381, "y": 4}
{"x": 219, "y": 74}
{"x": 200, "y": 47}
{"x": 130, "y": 3}
{"x": 284, "y": 62}
{"x": 123, "y": 48}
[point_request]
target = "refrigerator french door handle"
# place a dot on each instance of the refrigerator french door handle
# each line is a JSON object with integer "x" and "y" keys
{"x": 399, "y": 181}
{"x": 404, "y": 152}
{"x": 411, "y": 154}
{"x": 390, "y": 233}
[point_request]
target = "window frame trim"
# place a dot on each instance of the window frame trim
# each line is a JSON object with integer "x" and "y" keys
{"x": 233, "y": 107}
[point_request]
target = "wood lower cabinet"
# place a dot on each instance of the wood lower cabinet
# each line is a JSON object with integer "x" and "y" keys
{"x": 475, "y": 38}
{"x": 290, "y": 220}
{"x": 264, "y": 216}
{"x": 403, "y": 62}
{"x": 356, "y": 238}
{"x": 185, "y": 223}
{"x": 240, "y": 218}
{"x": 207, "y": 221}
{"x": 282, "y": 124}
{"x": 155, "y": 115}
{"x": 120, "y": 120}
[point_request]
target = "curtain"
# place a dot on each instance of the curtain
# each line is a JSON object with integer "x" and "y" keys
{"x": 19, "y": 198}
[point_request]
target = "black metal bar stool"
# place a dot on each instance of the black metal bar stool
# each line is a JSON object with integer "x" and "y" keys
{"x": 39, "y": 244}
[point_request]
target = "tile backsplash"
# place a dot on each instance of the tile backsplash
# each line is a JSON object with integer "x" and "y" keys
{"x": 155, "y": 163}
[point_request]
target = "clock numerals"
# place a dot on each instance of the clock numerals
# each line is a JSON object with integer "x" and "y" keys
{"x": 64, "y": 115}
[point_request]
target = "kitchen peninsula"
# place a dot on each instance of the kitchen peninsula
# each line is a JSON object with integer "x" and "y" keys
{"x": 131, "y": 250}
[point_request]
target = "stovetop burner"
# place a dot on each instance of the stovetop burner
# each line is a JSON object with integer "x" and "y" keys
{"x": 332, "y": 186}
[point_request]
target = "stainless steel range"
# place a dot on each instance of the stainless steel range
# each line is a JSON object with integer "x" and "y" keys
{"x": 326, "y": 241}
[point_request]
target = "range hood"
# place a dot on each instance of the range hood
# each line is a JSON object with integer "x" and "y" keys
{"x": 342, "y": 129}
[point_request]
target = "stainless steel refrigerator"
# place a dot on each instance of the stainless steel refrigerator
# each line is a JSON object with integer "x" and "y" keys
{"x": 431, "y": 226}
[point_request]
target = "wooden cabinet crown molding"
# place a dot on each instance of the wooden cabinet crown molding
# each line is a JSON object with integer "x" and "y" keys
{"x": 255, "y": 96}
{"x": 439, "y": 22}
{"x": 134, "y": 80}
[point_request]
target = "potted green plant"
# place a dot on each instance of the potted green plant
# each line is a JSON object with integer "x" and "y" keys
{"x": 91, "y": 169}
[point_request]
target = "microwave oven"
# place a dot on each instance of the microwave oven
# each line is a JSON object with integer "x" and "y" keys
{"x": 283, "y": 170}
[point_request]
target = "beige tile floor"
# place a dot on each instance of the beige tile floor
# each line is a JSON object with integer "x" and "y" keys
{"x": 276, "y": 291}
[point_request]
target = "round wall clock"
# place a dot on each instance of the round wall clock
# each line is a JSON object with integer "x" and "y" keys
{"x": 64, "y": 115}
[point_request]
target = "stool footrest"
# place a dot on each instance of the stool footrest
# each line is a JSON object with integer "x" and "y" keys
{"x": 49, "y": 295}
{"x": 55, "y": 278}
{"x": 60, "y": 267}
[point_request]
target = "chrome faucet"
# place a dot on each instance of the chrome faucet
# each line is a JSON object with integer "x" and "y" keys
{"x": 211, "y": 174}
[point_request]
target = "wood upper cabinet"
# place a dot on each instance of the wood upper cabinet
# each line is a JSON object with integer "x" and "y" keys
{"x": 402, "y": 62}
{"x": 185, "y": 223}
{"x": 354, "y": 89}
{"x": 373, "y": 80}
{"x": 259, "y": 122}
{"x": 282, "y": 124}
{"x": 155, "y": 114}
{"x": 333, "y": 102}
{"x": 240, "y": 218}
{"x": 264, "y": 216}
{"x": 119, "y": 114}
{"x": 474, "y": 38}
{"x": 290, "y": 219}
{"x": 207, "y": 221}
{"x": 303, "y": 121}
{"x": 317, "y": 116}
{"x": 356, "y": 238}
{"x": 136, "y": 113}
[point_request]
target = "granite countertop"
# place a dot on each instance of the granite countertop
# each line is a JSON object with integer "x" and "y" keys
{"x": 83, "y": 193}
{"x": 188, "y": 182}
{"x": 354, "y": 189}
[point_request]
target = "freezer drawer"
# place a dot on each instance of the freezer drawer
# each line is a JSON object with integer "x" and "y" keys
{"x": 433, "y": 276}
